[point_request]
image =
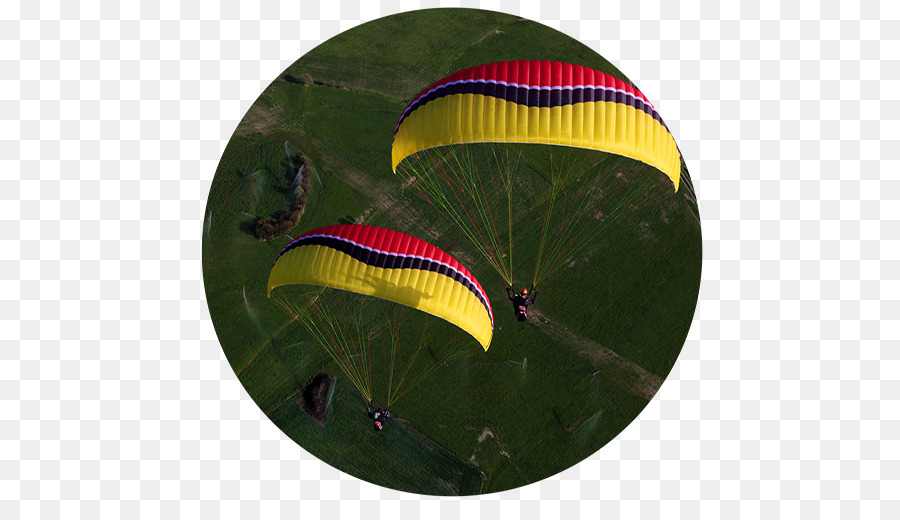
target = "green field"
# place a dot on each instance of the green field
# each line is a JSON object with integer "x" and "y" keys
{"x": 605, "y": 331}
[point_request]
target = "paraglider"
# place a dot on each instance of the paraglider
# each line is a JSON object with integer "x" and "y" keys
{"x": 379, "y": 417}
{"x": 465, "y": 143}
{"x": 343, "y": 283}
{"x": 521, "y": 301}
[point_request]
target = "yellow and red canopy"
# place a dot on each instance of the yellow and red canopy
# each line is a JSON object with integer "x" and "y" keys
{"x": 537, "y": 102}
{"x": 390, "y": 265}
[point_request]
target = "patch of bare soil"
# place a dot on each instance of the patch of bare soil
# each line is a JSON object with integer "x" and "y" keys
{"x": 622, "y": 370}
{"x": 485, "y": 434}
{"x": 500, "y": 448}
{"x": 314, "y": 396}
{"x": 260, "y": 119}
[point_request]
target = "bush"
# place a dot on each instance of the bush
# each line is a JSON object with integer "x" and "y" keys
{"x": 270, "y": 228}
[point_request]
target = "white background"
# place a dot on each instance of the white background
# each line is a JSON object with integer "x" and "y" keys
{"x": 116, "y": 400}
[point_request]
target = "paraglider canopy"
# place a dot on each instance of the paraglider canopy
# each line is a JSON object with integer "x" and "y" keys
{"x": 546, "y": 102}
{"x": 390, "y": 265}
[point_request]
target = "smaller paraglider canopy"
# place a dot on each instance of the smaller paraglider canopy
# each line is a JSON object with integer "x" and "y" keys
{"x": 390, "y": 265}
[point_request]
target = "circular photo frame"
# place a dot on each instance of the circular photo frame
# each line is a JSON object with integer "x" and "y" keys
{"x": 452, "y": 252}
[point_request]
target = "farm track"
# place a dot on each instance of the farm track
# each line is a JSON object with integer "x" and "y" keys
{"x": 630, "y": 375}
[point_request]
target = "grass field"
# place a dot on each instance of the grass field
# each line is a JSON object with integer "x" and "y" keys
{"x": 549, "y": 392}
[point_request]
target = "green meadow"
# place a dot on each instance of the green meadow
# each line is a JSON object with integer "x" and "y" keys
{"x": 606, "y": 329}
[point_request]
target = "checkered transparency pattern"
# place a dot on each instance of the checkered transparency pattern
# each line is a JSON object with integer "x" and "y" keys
{"x": 116, "y": 399}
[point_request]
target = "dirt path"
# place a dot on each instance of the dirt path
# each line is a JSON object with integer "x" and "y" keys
{"x": 383, "y": 196}
{"x": 622, "y": 370}
{"x": 495, "y": 30}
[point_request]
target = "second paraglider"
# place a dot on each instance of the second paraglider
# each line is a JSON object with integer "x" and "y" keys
{"x": 370, "y": 298}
